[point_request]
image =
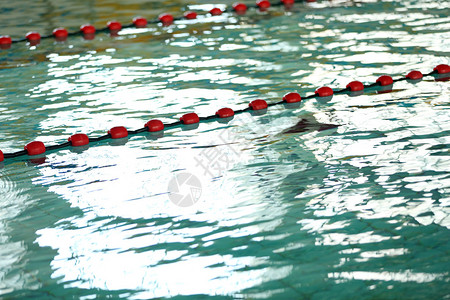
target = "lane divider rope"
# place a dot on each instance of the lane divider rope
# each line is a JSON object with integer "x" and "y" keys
{"x": 88, "y": 31}
{"x": 440, "y": 72}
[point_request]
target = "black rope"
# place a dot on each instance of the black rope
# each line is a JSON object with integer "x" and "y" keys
{"x": 140, "y": 130}
{"x": 242, "y": 110}
{"x": 15, "y": 154}
{"x": 176, "y": 123}
{"x": 173, "y": 124}
{"x": 54, "y": 147}
{"x": 212, "y": 117}
{"x": 131, "y": 25}
{"x": 207, "y": 118}
{"x": 100, "y": 138}
{"x": 275, "y": 103}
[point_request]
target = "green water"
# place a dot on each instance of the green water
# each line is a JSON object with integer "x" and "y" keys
{"x": 356, "y": 212}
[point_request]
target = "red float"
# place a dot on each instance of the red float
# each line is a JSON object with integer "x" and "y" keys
{"x": 166, "y": 19}
{"x": 190, "y": 118}
{"x": 2, "y": 158}
{"x": 355, "y": 86}
{"x": 5, "y": 40}
{"x": 385, "y": 80}
{"x": 225, "y": 112}
{"x": 190, "y": 15}
{"x": 60, "y": 34}
{"x": 33, "y": 36}
{"x": 292, "y": 98}
{"x": 324, "y": 92}
{"x": 263, "y": 4}
{"x": 240, "y": 8}
{"x": 154, "y": 125}
{"x": 87, "y": 29}
{"x": 414, "y": 75}
{"x": 79, "y": 139}
{"x": 114, "y": 26}
{"x": 258, "y": 104}
{"x": 140, "y": 22}
{"x": 118, "y": 132}
{"x": 442, "y": 69}
{"x": 215, "y": 11}
{"x": 35, "y": 148}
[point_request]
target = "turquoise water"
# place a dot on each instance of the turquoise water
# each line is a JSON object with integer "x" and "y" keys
{"x": 356, "y": 212}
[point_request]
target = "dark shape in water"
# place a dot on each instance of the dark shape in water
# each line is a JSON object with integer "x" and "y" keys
{"x": 308, "y": 124}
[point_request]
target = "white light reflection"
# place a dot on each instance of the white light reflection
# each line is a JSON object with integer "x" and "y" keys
{"x": 129, "y": 182}
{"x": 94, "y": 262}
{"x": 13, "y": 202}
{"x": 351, "y": 239}
{"x": 383, "y": 253}
{"x": 406, "y": 276}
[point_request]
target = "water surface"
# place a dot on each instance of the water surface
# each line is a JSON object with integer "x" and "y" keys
{"x": 360, "y": 211}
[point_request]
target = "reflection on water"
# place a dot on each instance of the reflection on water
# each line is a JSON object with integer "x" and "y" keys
{"x": 325, "y": 200}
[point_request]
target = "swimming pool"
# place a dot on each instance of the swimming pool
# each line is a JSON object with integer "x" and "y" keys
{"x": 275, "y": 210}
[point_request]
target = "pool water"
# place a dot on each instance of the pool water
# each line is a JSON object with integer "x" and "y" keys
{"x": 255, "y": 208}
